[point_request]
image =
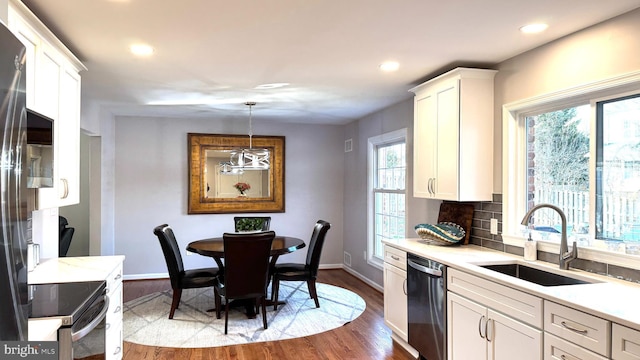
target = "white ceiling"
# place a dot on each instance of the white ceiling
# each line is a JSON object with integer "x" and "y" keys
{"x": 211, "y": 54}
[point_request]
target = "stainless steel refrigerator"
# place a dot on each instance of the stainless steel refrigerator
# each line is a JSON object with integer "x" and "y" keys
{"x": 13, "y": 200}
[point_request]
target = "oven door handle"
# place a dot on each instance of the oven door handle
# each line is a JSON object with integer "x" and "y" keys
{"x": 424, "y": 269}
{"x": 75, "y": 336}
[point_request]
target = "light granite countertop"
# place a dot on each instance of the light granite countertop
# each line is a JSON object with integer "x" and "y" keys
{"x": 62, "y": 270}
{"x": 74, "y": 269}
{"x": 611, "y": 299}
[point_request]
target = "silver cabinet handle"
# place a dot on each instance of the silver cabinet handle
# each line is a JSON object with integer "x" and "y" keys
{"x": 395, "y": 258}
{"x": 65, "y": 182}
{"x": 575, "y": 330}
{"x": 480, "y": 327}
{"x": 118, "y": 349}
{"x": 117, "y": 276}
{"x": 117, "y": 310}
{"x": 404, "y": 286}
{"x": 568, "y": 357}
{"x": 486, "y": 328}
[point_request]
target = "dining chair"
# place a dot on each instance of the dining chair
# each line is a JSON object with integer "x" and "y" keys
{"x": 181, "y": 278}
{"x": 246, "y": 272}
{"x": 252, "y": 223}
{"x": 65, "y": 236}
{"x": 303, "y": 272}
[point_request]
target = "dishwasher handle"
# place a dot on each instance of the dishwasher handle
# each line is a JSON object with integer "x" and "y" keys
{"x": 424, "y": 269}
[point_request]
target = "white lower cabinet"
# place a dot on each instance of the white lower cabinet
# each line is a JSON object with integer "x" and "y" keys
{"x": 395, "y": 291}
{"x": 589, "y": 333}
{"x": 478, "y": 332}
{"x": 625, "y": 343}
{"x": 490, "y": 321}
{"x": 557, "y": 349}
{"x": 113, "y": 331}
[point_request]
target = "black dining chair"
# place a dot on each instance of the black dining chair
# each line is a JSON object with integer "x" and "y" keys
{"x": 303, "y": 272}
{"x": 181, "y": 278}
{"x": 252, "y": 223}
{"x": 246, "y": 272}
{"x": 65, "y": 236}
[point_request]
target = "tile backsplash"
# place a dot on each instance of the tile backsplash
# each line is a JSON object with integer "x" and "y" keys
{"x": 481, "y": 236}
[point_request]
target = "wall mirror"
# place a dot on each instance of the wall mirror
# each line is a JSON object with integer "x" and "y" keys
{"x": 212, "y": 191}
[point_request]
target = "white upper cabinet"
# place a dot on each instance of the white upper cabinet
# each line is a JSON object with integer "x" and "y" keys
{"x": 453, "y": 136}
{"x": 53, "y": 89}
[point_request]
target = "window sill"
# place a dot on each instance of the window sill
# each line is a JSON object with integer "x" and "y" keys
{"x": 586, "y": 253}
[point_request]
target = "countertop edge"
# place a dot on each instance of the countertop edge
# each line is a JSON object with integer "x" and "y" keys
{"x": 586, "y": 297}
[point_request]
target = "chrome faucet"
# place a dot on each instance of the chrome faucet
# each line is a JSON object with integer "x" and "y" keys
{"x": 566, "y": 256}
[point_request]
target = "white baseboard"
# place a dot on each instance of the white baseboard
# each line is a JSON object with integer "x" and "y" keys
{"x": 363, "y": 278}
{"x": 153, "y": 276}
{"x": 146, "y": 276}
{"x": 405, "y": 345}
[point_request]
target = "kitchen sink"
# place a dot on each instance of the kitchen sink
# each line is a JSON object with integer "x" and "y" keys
{"x": 537, "y": 276}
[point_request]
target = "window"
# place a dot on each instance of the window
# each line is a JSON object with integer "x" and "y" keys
{"x": 387, "y": 192}
{"x": 578, "y": 150}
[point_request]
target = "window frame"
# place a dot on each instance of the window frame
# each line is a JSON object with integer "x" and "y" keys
{"x": 372, "y": 143}
{"x": 514, "y": 155}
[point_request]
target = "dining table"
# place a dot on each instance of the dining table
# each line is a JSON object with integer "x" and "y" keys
{"x": 214, "y": 248}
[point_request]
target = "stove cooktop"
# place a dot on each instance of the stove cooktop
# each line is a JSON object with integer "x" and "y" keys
{"x": 63, "y": 300}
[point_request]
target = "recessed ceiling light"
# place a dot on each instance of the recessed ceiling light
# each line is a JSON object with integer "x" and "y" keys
{"x": 141, "y": 49}
{"x": 389, "y": 66}
{"x": 534, "y": 28}
{"x": 271, "y": 86}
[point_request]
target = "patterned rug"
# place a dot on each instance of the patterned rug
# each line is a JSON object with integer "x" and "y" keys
{"x": 146, "y": 319}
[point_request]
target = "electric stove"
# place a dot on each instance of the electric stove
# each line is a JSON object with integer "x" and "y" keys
{"x": 66, "y": 301}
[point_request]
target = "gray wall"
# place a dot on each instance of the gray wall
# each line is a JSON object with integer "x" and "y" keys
{"x": 149, "y": 183}
{"x": 151, "y": 188}
{"x": 355, "y": 177}
{"x": 602, "y": 51}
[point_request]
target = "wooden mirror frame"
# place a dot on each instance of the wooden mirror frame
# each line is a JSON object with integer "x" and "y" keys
{"x": 199, "y": 204}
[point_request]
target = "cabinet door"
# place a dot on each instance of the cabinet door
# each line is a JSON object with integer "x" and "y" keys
{"x": 47, "y": 101}
{"x": 395, "y": 300}
{"x": 424, "y": 127}
{"x": 447, "y": 132}
{"x": 465, "y": 320}
{"x": 510, "y": 339}
{"x": 31, "y": 42}
{"x": 69, "y": 139}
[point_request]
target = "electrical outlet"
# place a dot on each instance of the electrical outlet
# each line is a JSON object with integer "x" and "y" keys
{"x": 494, "y": 227}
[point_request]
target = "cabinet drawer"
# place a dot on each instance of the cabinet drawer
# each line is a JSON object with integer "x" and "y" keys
{"x": 395, "y": 257}
{"x": 516, "y": 304}
{"x": 115, "y": 305}
{"x": 580, "y": 328}
{"x": 625, "y": 343}
{"x": 558, "y": 349}
{"x": 114, "y": 279}
{"x": 113, "y": 345}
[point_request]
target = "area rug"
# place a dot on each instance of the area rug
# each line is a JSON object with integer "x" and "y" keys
{"x": 146, "y": 319}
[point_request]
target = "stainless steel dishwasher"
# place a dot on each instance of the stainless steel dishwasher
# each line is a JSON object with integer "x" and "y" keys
{"x": 427, "y": 307}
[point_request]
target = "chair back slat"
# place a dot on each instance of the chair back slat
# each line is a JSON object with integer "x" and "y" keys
{"x": 246, "y": 258}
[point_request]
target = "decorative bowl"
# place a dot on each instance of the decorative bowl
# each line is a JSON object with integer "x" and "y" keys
{"x": 444, "y": 233}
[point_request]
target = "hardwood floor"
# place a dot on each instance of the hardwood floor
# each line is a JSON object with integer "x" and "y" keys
{"x": 366, "y": 337}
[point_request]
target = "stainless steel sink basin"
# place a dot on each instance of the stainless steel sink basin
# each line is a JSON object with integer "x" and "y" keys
{"x": 534, "y": 275}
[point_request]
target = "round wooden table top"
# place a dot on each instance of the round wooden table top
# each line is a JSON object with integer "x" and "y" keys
{"x": 214, "y": 247}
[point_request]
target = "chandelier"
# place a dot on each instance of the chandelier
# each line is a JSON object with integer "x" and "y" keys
{"x": 246, "y": 158}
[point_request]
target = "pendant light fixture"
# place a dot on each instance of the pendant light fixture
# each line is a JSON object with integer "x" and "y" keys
{"x": 247, "y": 158}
